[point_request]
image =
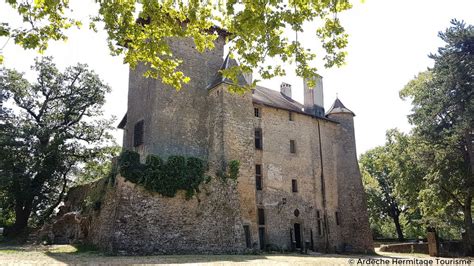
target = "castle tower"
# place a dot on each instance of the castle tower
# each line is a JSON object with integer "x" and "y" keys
{"x": 313, "y": 97}
{"x": 355, "y": 231}
{"x": 163, "y": 121}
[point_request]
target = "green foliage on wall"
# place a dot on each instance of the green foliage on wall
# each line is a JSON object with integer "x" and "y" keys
{"x": 231, "y": 171}
{"x": 166, "y": 178}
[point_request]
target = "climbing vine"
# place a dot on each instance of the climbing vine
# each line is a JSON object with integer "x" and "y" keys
{"x": 231, "y": 171}
{"x": 164, "y": 177}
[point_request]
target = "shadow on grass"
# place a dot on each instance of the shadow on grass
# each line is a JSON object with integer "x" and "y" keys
{"x": 86, "y": 254}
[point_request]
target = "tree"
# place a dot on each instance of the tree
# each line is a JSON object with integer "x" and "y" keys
{"x": 376, "y": 164}
{"x": 50, "y": 127}
{"x": 99, "y": 166}
{"x": 139, "y": 30}
{"x": 392, "y": 180}
{"x": 443, "y": 116}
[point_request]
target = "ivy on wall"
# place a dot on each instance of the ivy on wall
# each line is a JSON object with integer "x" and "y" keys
{"x": 231, "y": 171}
{"x": 164, "y": 177}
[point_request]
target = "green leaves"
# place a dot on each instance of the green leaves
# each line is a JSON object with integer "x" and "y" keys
{"x": 50, "y": 130}
{"x": 442, "y": 115}
{"x": 141, "y": 31}
{"x": 166, "y": 178}
{"x": 44, "y": 20}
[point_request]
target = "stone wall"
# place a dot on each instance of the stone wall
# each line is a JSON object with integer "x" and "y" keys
{"x": 132, "y": 220}
{"x": 406, "y": 248}
{"x": 148, "y": 223}
{"x": 175, "y": 123}
{"x": 356, "y": 235}
{"x": 279, "y": 167}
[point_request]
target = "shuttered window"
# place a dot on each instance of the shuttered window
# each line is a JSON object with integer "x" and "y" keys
{"x": 258, "y": 176}
{"x": 258, "y": 139}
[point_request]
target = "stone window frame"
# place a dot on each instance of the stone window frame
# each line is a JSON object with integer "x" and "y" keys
{"x": 338, "y": 218}
{"x": 260, "y": 216}
{"x": 292, "y": 146}
{"x": 138, "y": 133}
{"x": 258, "y": 177}
{"x": 291, "y": 116}
{"x": 257, "y": 112}
{"x": 319, "y": 223}
{"x": 258, "y": 139}
{"x": 294, "y": 185}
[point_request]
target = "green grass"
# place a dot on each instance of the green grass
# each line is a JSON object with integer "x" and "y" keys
{"x": 74, "y": 249}
{"x": 9, "y": 251}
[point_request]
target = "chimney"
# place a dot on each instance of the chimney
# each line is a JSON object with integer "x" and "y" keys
{"x": 285, "y": 89}
{"x": 313, "y": 97}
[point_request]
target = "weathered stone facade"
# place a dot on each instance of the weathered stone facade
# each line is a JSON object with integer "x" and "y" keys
{"x": 132, "y": 220}
{"x": 307, "y": 194}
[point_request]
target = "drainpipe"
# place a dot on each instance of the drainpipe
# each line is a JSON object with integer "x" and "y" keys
{"x": 323, "y": 191}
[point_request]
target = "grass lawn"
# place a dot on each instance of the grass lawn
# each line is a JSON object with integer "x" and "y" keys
{"x": 68, "y": 254}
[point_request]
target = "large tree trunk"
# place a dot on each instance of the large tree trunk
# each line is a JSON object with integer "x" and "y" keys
{"x": 398, "y": 226}
{"x": 22, "y": 214}
{"x": 468, "y": 226}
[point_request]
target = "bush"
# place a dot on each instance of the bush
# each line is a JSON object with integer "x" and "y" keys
{"x": 166, "y": 178}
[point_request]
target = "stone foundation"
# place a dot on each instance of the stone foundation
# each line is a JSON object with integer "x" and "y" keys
{"x": 133, "y": 221}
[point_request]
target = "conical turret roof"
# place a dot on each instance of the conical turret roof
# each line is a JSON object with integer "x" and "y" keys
{"x": 219, "y": 78}
{"x": 338, "y": 108}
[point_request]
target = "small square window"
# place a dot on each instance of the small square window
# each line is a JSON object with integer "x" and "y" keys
{"x": 294, "y": 185}
{"x": 256, "y": 112}
{"x": 292, "y": 146}
{"x": 290, "y": 116}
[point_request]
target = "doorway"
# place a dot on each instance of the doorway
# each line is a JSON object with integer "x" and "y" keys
{"x": 298, "y": 235}
{"x": 261, "y": 237}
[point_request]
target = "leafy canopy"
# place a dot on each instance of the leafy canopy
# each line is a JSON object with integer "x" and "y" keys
{"x": 443, "y": 116}
{"x": 50, "y": 127}
{"x": 139, "y": 30}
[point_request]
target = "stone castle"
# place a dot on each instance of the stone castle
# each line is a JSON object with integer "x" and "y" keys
{"x": 299, "y": 180}
{"x": 299, "y": 185}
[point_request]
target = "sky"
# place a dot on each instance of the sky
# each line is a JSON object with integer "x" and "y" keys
{"x": 389, "y": 43}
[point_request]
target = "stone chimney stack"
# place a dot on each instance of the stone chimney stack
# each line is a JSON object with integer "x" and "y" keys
{"x": 313, "y": 97}
{"x": 285, "y": 89}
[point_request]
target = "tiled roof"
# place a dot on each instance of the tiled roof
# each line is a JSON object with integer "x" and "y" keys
{"x": 123, "y": 122}
{"x": 337, "y": 107}
{"x": 276, "y": 99}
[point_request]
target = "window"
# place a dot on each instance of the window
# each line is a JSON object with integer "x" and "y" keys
{"x": 138, "y": 134}
{"x": 290, "y": 116}
{"x": 261, "y": 216}
{"x": 292, "y": 146}
{"x": 337, "y": 218}
{"x": 294, "y": 185}
{"x": 256, "y": 112}
{"x": 320, "y": 229}
{"x": 258, "y": 139}
{"x": 247, "y": 236}
{"x": 258, "y": 176}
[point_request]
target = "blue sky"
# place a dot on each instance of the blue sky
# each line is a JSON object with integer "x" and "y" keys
{"x": 388, "y": 45}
